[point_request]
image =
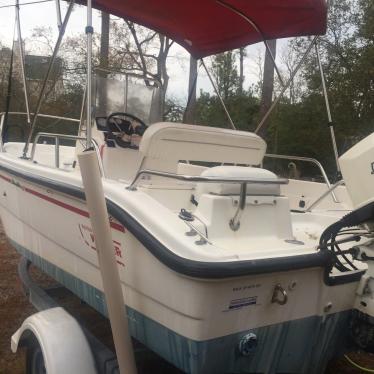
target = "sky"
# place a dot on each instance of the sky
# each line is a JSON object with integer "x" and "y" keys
{"x": 44, "y": 14}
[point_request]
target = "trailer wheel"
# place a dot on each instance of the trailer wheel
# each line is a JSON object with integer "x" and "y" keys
{"x": 42, "y": 332}
{"x": 34, "y": 359}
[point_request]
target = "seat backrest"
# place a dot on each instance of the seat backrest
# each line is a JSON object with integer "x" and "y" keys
{"x": 165, "y": 144}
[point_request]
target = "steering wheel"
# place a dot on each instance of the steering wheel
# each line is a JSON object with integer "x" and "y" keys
{"x": 119, "y": 124}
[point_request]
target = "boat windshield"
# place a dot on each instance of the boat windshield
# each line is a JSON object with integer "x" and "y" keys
{"x": 123, "y": 93}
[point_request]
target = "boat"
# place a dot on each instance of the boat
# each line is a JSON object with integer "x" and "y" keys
{"x": 226, "y": 267}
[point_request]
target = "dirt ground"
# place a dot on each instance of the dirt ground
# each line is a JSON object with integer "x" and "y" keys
{"x": 14, "y": 308}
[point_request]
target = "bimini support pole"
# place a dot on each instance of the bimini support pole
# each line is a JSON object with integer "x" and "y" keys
{"x": 45, "y": 82}
{"x": 219, "y": 96}
{"x": 329, "y": 118}
{"x": 22, "y": 60}
{"x": 254, "y": 26}
{"x": 285, "y": 87}
{"x": 58, "y": 13}
{"x": 81, "y": 116}
{"x": 93, "y": 188}
{"x": 89, "y": 32}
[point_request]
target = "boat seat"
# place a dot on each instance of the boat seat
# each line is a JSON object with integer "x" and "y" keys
{"x": 189, "y": 169}
{"x": 234, "y": 188}
{"x": 165, "y": 144}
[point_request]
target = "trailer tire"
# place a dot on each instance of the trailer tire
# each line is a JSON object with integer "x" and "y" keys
{"x": 34, "y": 358}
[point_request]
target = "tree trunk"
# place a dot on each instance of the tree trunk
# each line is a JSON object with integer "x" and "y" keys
{"x": 267, "y": 85}
{"x": 241, "y": 69}
{"x": 190, "y": 112}
{"x": 104, "y": 62}
{"x": 162, "y": 74}
{"x": 104, "y": 42}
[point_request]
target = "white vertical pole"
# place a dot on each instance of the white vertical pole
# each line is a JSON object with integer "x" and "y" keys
{"x": 329, "y": 118}
{"x": 46, "y": 78}
{"x": 114, "y": 297}
{"x": 89, "y": 32}
{"x": 58, "y": 13}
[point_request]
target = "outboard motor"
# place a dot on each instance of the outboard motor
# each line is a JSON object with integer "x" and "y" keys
{"x": 357, "y": 166}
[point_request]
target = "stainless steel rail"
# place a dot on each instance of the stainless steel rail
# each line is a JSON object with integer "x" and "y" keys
{"x": 47, "y": 76}
{"x": 332, "y": 188}
{"x": 194, "y": 178}
{"x": 2, "y": 117}
{"x": 42, "y": 115}
{"x": 327, "y": 103}
{"x": 57, "y": 138}
{"x": 53, "y": 136}
{"x": 307, "y": 159}
{"x": 234, "y": 223}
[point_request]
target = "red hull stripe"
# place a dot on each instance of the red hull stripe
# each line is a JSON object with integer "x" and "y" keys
{"x": 5, "y": 178}
{"x": 113, "y": 225}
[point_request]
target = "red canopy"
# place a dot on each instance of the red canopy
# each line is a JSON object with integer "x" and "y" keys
{"x": 205, "y": 27}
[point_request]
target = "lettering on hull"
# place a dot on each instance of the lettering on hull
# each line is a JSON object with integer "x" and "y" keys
{"x": 89, "y": 240}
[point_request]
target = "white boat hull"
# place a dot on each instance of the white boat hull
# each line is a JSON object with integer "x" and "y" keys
{"x": 187, "y": 320}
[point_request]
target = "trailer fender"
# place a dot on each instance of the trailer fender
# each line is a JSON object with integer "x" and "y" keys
{"x": 62, "y": 341}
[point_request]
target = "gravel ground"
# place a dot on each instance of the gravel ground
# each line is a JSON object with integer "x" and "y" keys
{"x": 14, "y": 308}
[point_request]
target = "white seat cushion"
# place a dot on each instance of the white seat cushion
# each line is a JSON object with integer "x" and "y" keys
{"x": 234, "y": 188}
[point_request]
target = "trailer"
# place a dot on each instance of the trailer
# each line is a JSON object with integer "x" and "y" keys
{"x": 60, "y": 338}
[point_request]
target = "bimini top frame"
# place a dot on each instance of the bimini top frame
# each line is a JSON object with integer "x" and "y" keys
{"x": 193, "y": 25}
{"x": 207, "y": 27}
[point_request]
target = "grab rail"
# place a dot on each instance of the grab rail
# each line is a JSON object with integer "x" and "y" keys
{"x": 2, "y": 117}
{"x": 319, "y": 199}
{"x": 196, "y": 178}
{"x": 313, "y": 161}
{"x": 43, "y": 115}
{"x": 57, "y": 138}
{"x": 234, "y": 223}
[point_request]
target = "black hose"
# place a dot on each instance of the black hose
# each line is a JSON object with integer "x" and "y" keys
{"x": 346, "y": 226}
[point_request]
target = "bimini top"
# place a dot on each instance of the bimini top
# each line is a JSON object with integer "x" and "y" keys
{"x": 206, "y": 27}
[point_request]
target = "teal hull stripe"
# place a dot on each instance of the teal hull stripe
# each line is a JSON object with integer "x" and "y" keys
{"x": 299, "y": 346}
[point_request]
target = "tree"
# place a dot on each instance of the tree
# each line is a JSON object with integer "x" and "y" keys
{"x": 267, "y": 83}
{"x": 347, "y": 54}
{"x": 243, "y": 109}
{"x": 242, "y": 54}
{"x": 190, "y": 112}
{"x": 225, "y": 74}
{"x": 104, "y": 40}
{"x": 146, "y": 60}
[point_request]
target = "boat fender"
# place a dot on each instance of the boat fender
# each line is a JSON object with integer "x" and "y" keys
{"x": 63, "y": 344}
